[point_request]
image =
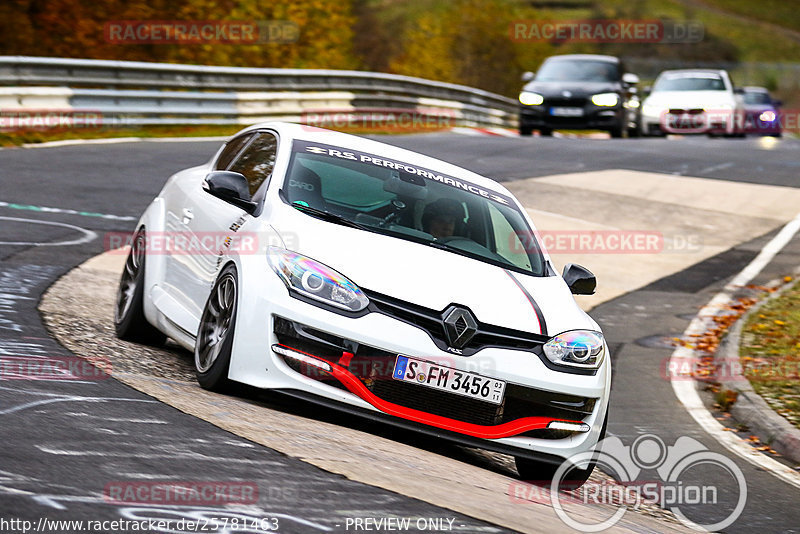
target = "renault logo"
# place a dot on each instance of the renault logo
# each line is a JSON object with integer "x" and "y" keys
{"x": 566, "y": 94}
{"x": 459, "y": 326}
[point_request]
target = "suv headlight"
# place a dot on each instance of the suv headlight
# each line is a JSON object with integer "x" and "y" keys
{"x": 605, "y": 99}
{"x": 316, "y": 280}
{"x": 576, "y": 348}
{"x": 530, "y": 99}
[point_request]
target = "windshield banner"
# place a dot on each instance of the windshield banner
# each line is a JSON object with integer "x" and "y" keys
{"x": 306, "y": 147}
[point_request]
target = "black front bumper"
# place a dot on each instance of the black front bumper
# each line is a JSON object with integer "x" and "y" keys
{"x": 593, "y": 118}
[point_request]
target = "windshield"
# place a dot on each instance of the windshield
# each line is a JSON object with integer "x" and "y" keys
{"x": 578, "y": 70}
{"x": 757, "y": 97}
{"x": 689, "y": 82}
{"x": 411, "y": 203}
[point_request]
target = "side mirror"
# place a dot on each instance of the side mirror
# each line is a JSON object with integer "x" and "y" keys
{"x": 738, "y": 91}
{"x": 231, "y": 187}
{"x": 647, "y": 90}
{"x": 630, "y": 78}
{"x": 777, "y": 103}
{"x": 528, "y": 76}
{"x": 580, "y": 280}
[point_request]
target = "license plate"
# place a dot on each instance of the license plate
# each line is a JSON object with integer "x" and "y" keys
{"x": 566, "y": 112}
{"x": 448, "y": 379}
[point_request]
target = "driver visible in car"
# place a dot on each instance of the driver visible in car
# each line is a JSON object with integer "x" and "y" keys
{"x": 440, "y": 218}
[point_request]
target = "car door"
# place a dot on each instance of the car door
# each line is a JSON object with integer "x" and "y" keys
{"x": 211, "y": 220}
{"x": 173, "y": 297}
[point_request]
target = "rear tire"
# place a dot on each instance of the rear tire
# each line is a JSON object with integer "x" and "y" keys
{"x": 130, "y": 323}
{"x": 525, "y": 131}
{"x": 546, "y": 132}
{"x": 214, "y": 344}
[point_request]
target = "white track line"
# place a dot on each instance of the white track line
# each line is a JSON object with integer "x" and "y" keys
{"x": 686, "y": 389}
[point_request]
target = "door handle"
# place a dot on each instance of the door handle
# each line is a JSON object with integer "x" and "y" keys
{"x": 187, "y": 215}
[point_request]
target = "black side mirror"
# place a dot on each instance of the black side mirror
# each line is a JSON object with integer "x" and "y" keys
{"x": 580, "y": 280}
{"x": 647, "y": 89}
{"x": 777, "y": 103}
{"x": 738, "y": 91}
{"x": 231, "y": 187}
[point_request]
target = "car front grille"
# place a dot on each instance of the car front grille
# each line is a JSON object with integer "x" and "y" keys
{"x": 430, "y": 321}
{"x": 374, "y": 368}
{"x": 566, "y": 102}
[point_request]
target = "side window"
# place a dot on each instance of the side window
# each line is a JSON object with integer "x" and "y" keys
{"x": 229, "y": 152}
{"x": 257, "y": 160}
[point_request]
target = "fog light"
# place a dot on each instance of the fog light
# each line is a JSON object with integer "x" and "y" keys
{"x": 568, "y": 425}
{"x": 299, "y": 356}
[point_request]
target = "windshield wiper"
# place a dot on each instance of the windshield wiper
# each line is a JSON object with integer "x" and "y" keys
{"x": 328, "y": 216}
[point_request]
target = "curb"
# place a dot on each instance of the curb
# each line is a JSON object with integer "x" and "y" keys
{"x": 750, "y": 408}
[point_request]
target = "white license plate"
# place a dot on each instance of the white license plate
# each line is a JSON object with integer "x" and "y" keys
{"x": 448, "y": 379}
{"x": 566, "y": 112}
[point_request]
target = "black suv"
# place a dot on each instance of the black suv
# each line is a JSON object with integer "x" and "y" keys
{"x": 579, "y": 92}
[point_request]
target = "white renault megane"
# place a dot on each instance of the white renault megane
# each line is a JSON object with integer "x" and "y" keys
{"x": 372, "y": 279}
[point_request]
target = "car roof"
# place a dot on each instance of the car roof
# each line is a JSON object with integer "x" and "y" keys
{"x": 699, "y": 71}
{"x": 755, "y": 89}
{"x": 361, "y": 144}
{"x": 597, "y": 57}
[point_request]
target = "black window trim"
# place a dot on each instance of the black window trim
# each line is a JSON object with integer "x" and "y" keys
{"x": 260, "y": 195}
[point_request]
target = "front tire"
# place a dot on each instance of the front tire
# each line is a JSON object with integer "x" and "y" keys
{"x": 214, "y": 344}
{"x": 546, "y": 132}
{"x": 543, "y": 473}
{"x": 525, "y": 131}
{"x": 130, "y": 323}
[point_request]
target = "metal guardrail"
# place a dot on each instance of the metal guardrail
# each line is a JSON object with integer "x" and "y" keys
{"x": 159, "y": 93}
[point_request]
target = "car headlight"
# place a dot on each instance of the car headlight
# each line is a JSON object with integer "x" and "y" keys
{"x": 605, "y": 99}
{"x": 576, "y": 348}
{"x": 767, "y": 116}
{"x": 530, "y": 99}
{"x": 652, "y": 110}
{"x": 315, "y": 280}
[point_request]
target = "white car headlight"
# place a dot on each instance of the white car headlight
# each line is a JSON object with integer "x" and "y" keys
{"x": 652, "y": 110}
{"x": 605, "y": 99}
{"x": 576, "y": 348}
{"x": 316, "y": 280}
{"x": 531, "y": 99}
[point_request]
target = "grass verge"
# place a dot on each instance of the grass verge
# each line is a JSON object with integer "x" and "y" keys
{"x": 770, "y": 353}
{"x": 21, "y": 137}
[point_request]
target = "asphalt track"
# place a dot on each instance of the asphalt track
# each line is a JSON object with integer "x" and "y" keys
{"x": 59, "y": 434}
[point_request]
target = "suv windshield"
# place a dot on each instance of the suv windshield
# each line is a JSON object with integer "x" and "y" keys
{"x": 412, "y": 203}
{"x": 578, "y": 70}
{"x": 689, "y": 82}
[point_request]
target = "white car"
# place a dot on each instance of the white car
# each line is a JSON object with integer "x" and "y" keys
{"x": 376, "y": 280}
{"x": 693, "y": 101}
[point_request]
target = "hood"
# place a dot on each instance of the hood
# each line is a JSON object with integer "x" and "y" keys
{"x": 689, "y": 99}
{"x": 435, "y": 278}
{"x": 578, "y": 89}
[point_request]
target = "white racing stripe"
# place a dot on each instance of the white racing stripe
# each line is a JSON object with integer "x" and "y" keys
{"x": 686, "y": 390}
